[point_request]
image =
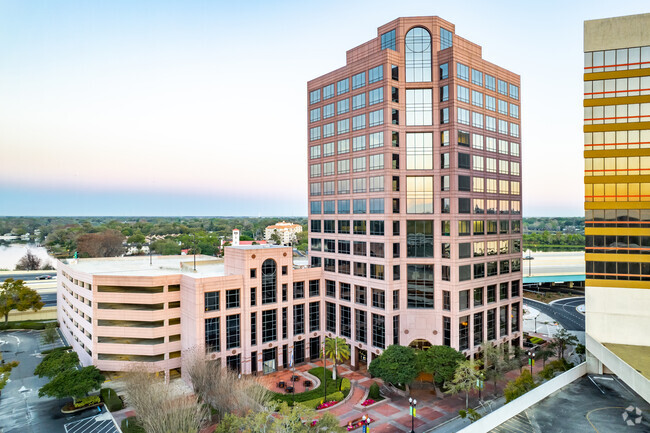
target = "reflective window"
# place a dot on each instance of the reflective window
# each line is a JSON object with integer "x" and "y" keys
{"x": 376, "y": 118}
{"x": 375, "y": 139}
{"x": 419, "y": 107}
{"x": 314, "y": 96}
{"x": 358, "y": 122}
{"x": 462, "y": 93}
{"x": 343, "y": 86}
{"x": 420, "y": 286}
{"x": 446, "y": 39}
{"x": 343, "y": 106}
{"x": 490, "y": 82}
{"x": 328, "y": 91}
{"x": 376, "y": 74}
{"x": 419, "y": 151}
{"x": 358, "y": 80}
{"x": 358, "y": 143}
{"x": 419, "y": 194}
{"x": 503, "y": 87}
{"x": 418, "y": 55}
{"x": 376, "y": 96}
{"x": 477, "y": 98}
{"x": 477, "y": 77}
{"x": 462, "y": 71}
{"x": 388, "y": 40}
{"x": 419, "y": 238}
{"x": 314, "y": 115}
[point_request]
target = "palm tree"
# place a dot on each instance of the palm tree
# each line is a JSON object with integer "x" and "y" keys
{"x": 337, "y": 350}
{"x": 465, "y": 378}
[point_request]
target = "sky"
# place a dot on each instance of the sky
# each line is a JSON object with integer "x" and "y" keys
{"x": 198, "y": 108}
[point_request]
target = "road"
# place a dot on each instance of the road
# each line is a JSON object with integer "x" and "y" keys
{"x": 563, "y": 311}
{"x": 25, "y": 276}
{"x": 21, "y": 410}
{"x": 49, "y": 298}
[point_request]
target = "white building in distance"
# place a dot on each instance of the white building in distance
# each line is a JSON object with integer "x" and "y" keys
{"x": 286, "y": 231}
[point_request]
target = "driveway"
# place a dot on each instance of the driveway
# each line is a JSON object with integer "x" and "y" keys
{"x": 21, "y": 410}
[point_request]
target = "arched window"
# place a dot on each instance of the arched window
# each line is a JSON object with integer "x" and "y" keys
{"x": 418, "y": 55}
{"x": 269, "y": 281}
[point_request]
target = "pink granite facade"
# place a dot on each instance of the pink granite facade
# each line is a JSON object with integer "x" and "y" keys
{"x": 238, "y": 311}
{"x": 416, "y": 142}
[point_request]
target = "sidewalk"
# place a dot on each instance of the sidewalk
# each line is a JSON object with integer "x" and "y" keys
{"x": 536, "y": 322}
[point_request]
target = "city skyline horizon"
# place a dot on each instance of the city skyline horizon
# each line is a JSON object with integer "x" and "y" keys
{"x": 87, "y": 136}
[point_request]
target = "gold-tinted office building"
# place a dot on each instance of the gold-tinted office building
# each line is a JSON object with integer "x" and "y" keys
{"x": 617, "y": 197}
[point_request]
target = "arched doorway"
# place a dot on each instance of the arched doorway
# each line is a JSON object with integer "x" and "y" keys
{"x": 420, "y": 344}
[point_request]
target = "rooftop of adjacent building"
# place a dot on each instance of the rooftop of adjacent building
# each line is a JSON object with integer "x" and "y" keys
{"x": 283, "y": 225}
{"x": 617, "y": 32}
{"x": 637, "y": 357}
{"x": 146, "y": 266}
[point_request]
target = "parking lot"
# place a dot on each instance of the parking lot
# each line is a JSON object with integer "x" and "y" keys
{"x": 21, "y": 410}
{"x": 590, "y": 404}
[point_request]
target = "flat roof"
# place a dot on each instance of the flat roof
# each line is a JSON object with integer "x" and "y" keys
{"x": 637, "y": 357}
{"x": 139, "y": 266}
{"x": 256, "y": 247}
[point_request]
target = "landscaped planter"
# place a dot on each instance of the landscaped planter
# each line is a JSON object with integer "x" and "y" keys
{"x": 358, "y": 423}
{"x": 326, "y": 405}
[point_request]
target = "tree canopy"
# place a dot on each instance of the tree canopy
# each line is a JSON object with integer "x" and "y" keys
{"x": 396, "y": 365}
{"x": 28, "y": 262}
{"x": 107, "y": 243}
{"x": 73, "y": 383}
{"x": 465, "y": 378}
{"x": 15, "y": 295}
{"x": 440, "y": 361}
{"x": 55, "y": 362}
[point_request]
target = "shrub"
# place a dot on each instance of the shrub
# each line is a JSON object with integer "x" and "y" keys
{"x": 368, "y": 402}
{"x": 536, "y": 340}
{"x": 130, "y": 425}
{"x": 314, "y": 403}
{"x": 87, "y": 401}
{"x": 111, "y": 399}
{"x": 45, "y": 352}
{"x": 558, "y": 365}
{"x": 470, "y": 413}
{"x": 373, "y": 393}
{"x": 519, "y": 386}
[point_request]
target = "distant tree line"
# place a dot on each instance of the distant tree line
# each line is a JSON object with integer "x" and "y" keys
{"x": 105, "y": 236}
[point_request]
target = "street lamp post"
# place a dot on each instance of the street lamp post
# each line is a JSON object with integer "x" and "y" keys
{"x": 531, "y": 361}
{"x": 412, "y": 403}
{"x": 366, "y": 423}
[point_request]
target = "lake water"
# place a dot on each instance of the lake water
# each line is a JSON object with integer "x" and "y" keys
{"x": 11, "y": 253}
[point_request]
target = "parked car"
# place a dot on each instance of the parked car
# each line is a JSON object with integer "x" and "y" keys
{"x": 44, "y": 277}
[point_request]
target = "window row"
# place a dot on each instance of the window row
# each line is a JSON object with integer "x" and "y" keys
{"x": 617, "y": 87}
{"x": 617, "y": 60}
{"x": 343, "y": 126}
{"x": 626, "y": 271}
{"x": 343, "y": 166}
{"x": 617, "y": 218}
{"x": 617, "y": 140}
{"x": 478, "y": 120}
{"x": 343, "y": 86}
{"x": 618, "y": 166}
{"x": 617, "y": 244}
{"x": 481, "y": 296}
{"x": 462, "y": 72}
{"x": 625, "y": 113}
{"x": 359, "y": 206}
{"x": 478, "y": 99}
{"x": 617, "y": 192}
{"x": 484, "y": 326}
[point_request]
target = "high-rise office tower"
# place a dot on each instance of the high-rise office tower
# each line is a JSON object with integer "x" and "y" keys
{"x": 415, "y": 192}
{"x": 617, "y": 196}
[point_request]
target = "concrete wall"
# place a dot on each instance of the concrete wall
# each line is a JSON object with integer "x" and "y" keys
{"x": 618, "y": 32}
{"x": 45, "y": 313}
{"x": 522, "y": 403}
{"x": 600, "y": 359}
{"x": 618, "y": 315}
